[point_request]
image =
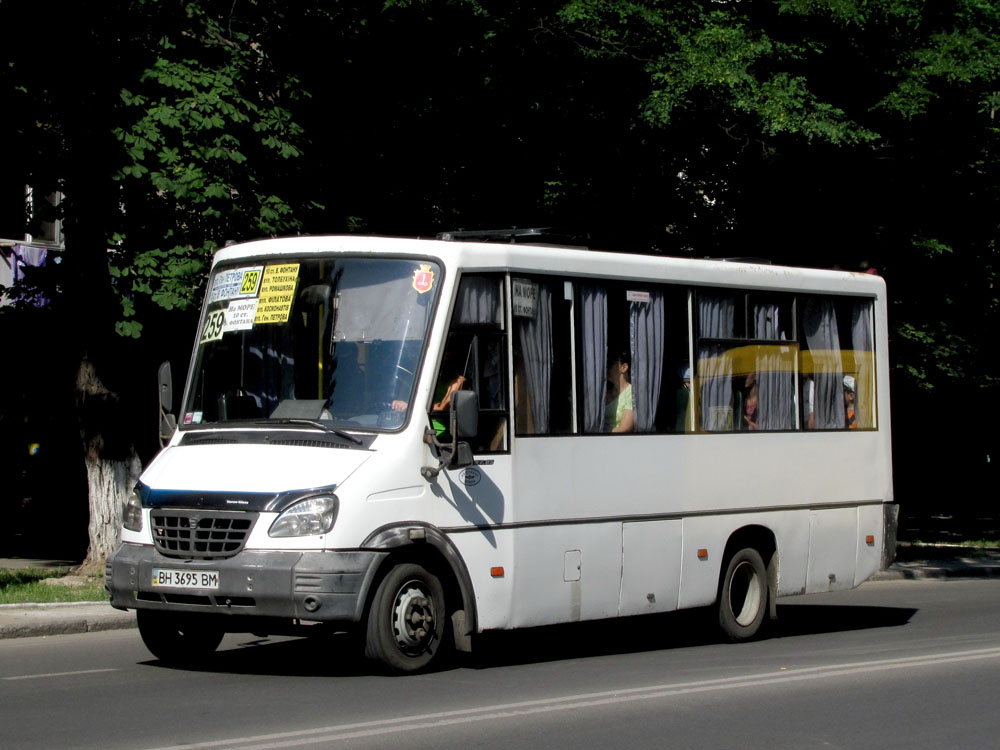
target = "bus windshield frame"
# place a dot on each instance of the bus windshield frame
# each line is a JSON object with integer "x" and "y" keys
{"x": 331, "y": 338}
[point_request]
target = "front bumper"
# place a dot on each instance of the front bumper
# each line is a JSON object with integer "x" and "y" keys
{"x": 328, "y": 586}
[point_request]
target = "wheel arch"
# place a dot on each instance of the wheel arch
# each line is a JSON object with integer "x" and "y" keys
{"x": 427, "y": 545}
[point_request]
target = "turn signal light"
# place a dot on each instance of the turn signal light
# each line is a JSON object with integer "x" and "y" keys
{"x": 703, "y": 554}
{"x": 496, "y": 572}
{"x": 870, "y": 540}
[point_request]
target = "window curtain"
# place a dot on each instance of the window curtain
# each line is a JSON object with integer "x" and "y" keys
{"x": 861, "y": 342}
{"x": 478, "y": 301}
{"x": 646, "y": 337}
{"x": 823, "y": 341}
{"x": 536, "y": 348}
{"x": 594, "y": 353}
{"x": 716, "y": 320}
{"x": 775, "y": 379}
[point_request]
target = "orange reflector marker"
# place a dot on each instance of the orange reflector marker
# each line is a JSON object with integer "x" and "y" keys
{"x": 496, "y": 572}
{"x": 703, "y": 554}
{"x": 870, "y": 540}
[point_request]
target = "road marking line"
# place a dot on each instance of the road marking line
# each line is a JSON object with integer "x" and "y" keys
{"x": 341, "y": 732}
{"x": 56, "y": 674}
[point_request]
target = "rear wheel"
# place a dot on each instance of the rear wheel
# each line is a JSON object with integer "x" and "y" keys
{"x": 743, "y": 595}
{"x": 178, "y": 638}
{"x": 406, "y": 620}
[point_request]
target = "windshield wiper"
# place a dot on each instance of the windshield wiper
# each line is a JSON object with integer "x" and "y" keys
{"x": 318, "y": 425}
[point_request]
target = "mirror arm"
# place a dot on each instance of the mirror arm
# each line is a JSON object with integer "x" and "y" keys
{"x": 448, "y": 453}
{"x": 445, "y": 452}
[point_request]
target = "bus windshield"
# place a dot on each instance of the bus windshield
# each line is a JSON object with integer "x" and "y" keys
{"x": 336, "y": 339}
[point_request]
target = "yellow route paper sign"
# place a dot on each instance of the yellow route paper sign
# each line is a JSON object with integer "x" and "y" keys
{"x": 277, "y": 290}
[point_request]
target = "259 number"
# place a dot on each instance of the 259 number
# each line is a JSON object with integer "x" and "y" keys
{"x": 213, "y": 326}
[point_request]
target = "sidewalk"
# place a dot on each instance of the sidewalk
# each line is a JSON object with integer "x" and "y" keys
{"x": 913, "y": 562}
{"x": 24, "y": 620}
{"x": 916, "y": 561}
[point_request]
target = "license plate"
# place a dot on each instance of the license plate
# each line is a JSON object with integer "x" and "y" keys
{"x": 186, "y": 579}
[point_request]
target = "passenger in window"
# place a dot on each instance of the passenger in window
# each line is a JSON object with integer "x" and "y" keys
{"x": 750, "y": 402}
{"x": 618, "y": 414}
{"x": 447, "y": 386}
{"x": 849, "y": 396}
{"x": 451, "y": 378}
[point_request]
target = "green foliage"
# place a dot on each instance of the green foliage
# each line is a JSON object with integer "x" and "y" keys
{"x": 205, "y": 125}
{"x": 965, "y": 53}
{"x": 855, "y": 133}
{"x": 716, "y": 55}
{"x": 170, "y": 133}
{"x": 877, "y": 126}
{"x": 941, "y": 354}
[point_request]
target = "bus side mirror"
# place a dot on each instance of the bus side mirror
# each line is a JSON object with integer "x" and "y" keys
{"x": 168, "y": 422}
{"x": 166, "y": 388}
{"x": 463, "y": 420}
{"x": 464, "y": 414}
{"x": 464, "y": 424}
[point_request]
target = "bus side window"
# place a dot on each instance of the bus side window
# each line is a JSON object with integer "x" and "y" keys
{"x": 746, "y": 361}
{"x": 631, "y": 334}
{"x": 838, "y": 364}
{"x": 475, "y": 358}
{"x": 543, "y": 397}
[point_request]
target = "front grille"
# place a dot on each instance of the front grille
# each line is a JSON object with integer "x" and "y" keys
{"x": 206, "y": 535}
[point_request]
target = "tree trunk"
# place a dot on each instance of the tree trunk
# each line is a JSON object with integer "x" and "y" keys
{"x": 109, "y": 482}
{"x": 112, "y": 464}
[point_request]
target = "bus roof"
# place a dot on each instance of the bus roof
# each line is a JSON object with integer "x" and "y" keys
{"x": 527, "y": 258}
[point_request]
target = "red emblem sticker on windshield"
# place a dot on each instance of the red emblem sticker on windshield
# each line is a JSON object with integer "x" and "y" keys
{"x": 423, "y": 278}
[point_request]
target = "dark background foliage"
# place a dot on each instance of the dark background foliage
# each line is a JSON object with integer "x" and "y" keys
{"x": 823, "y": 133}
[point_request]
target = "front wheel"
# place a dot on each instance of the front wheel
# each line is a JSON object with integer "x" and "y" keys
{"x": 177, "y": 638}
{"x": 743, "y": 595}
{"x": 406, "y": 620}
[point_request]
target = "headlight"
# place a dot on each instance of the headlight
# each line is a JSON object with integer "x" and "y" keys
{"x": 132, "y": 519}
{"x": 313, "y": 516}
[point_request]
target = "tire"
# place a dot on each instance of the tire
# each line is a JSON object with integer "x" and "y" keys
{"x": 406, "y": 620}
{"x": 178, "y": 639}
{"x": 743, "y": 595}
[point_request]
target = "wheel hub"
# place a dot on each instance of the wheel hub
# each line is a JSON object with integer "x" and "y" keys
{"x": 413, "y": 618}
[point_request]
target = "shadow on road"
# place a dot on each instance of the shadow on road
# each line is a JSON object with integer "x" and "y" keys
{"x": 810, "y": 619}
{"x": 337, "y": 654}
{"x": 668, "y": 631}
{"x": 340, "y": 654}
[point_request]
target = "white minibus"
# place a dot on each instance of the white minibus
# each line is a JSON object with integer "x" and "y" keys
{"x": 423, "y": 440}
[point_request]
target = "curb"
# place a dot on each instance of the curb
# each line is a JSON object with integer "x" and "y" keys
{"x": 921, "y": 572}
{"x": 32, "y": 620}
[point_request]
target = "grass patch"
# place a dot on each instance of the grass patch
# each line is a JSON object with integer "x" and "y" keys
{"x": 24, "y": 586}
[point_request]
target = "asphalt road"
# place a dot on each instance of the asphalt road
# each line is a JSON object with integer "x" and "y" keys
{"x": 912, "y": 664}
